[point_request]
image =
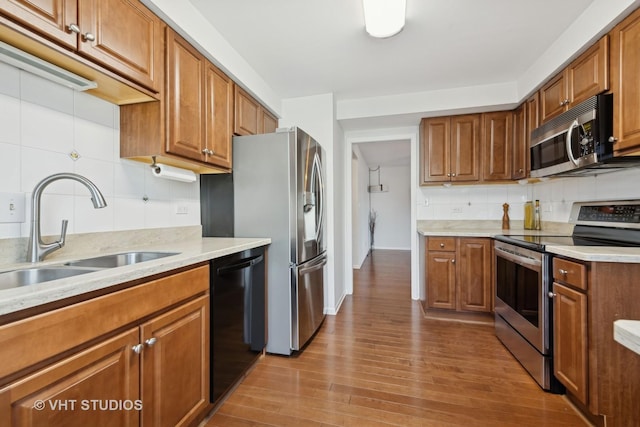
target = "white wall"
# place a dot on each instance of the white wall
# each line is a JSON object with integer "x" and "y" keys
{"x": 393, "y": 208}
{"x": 556, "y": 196}
{"x": 41, "y": 123}
{"x": 360, "y": 210}
{"x": 315, "y": 115}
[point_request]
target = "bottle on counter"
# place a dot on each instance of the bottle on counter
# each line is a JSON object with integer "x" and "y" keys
{"x": 536, "y": 217}
{"x": 528, "y": 215}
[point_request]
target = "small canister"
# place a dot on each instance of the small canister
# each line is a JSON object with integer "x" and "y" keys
{"x": 528, "y": 215}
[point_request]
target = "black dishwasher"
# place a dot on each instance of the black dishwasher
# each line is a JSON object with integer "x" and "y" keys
{"x": 238, "y": 316}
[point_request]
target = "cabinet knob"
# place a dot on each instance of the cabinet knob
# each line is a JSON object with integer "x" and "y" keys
{"x": 613, "y": 139}
{"x": 73, "y": 28}
{"x": 520, "y": 170}
{"x": 453, "y": 174}
{"x": 442, "y": 245}
{"x": 151, "y": 341}
{"x": 204, "y": 151}
{"x": 137, "y": 349}
{"x": 448, "y": 174}
{"x": 552, "y": 295}
{"x": 453, "y": 261}
{"x": 563, "y": 272}
{"x": 564, "y": 102}
{"x": 88, "y": 37}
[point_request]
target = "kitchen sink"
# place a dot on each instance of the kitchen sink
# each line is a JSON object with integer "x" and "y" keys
{"x": 119, "y": 260}
{"x": 30, "y": 276}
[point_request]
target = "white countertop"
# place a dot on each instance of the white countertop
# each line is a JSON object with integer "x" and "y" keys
{"x": 191, "y": 252}
{"x": 627, "y": 333}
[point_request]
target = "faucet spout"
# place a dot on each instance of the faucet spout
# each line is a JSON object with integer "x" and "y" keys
{"x": 37, "y": 248}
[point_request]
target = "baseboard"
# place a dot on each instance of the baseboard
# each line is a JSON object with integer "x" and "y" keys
{"x": 334, "y": 311}
{"x": 381, "y": 248}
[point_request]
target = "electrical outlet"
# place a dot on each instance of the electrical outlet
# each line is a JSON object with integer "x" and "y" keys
{"x": 182, "y": 210}
{"x": 12, "y": 207}
{"x": 456, "y": 210}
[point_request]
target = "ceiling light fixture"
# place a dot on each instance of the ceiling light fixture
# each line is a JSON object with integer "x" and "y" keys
{"x": 384, "y": 18}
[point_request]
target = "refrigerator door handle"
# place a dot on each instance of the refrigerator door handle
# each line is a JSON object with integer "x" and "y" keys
{"x": 317, "y": 168}
{"x": 315, "y": 265}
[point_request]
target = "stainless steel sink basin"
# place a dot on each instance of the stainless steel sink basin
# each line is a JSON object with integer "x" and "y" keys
{"x": 30, "y": 276}
{"x": 119, "y": 260}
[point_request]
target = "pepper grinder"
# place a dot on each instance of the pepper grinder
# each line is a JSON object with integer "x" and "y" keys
{"x": 505, "y": 216}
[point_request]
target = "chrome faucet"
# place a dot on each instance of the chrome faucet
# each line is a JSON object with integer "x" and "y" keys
{"x": 37, "y": 248}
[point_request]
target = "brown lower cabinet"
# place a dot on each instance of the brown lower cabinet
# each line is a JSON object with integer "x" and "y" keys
{"x": 150, "y": 372}
{"x": 600, "y": 374}
{"x": 458, "y": 274}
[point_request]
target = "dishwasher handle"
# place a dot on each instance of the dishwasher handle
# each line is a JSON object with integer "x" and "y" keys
{"x": 241, "y": 265}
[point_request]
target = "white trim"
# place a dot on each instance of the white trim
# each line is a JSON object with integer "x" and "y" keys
{"x": 382, "y": 248}
{"x": 377, "y": 135}
{"x": 332, "y": 312}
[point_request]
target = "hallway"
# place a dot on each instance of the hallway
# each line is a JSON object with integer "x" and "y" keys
{"x": 379, "y": 362}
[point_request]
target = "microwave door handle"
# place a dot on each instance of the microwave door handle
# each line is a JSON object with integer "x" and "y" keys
{"x": 575, "y": 124}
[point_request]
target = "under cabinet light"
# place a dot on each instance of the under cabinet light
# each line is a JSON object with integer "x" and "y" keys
{"x": 384, "y": 18}
{"x": 32, "y": 64}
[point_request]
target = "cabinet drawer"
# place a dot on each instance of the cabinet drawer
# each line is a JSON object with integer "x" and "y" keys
{"x": 441, "y": 243}
{"x": 569, "y": 272}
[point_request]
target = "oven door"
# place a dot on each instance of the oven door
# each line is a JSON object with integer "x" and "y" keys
{"x": 521, "y": 292}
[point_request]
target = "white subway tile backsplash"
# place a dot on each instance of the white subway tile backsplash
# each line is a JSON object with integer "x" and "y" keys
{"x": 94, "y": 109}
{"x": 40, "y": 124}
{"x": 37, "y": 90}
{"x": 9, "y": 119}
{"x": 10, "y": 167}
{"x": 46, "y": 129}
{"x": 93, "y": 140}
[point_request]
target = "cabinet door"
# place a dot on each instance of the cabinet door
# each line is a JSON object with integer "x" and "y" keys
{"x": 185, "y": 100}
{"x": 473, "y": 274}
{"x": 125, "y": 36}
{"x": 269, "y": 122}
{"x": 247, "y": 118}
{"x": 435, "y": 150}
{"x": 553, "y": 98}
{"x": 50, "y": 18}
{"x": 625, "y": 68}
{"x": 589, "y": 74}
{"x": 465, "y": 147}
{"x": 441, "y": 280}
{"x": 533, "y": 119}
{"x": 570, "y": 340}
{"x": 73, "y": 391}
{"x": 497, "y": 143}
{"x": 175, "y": 365}
{"x": 520, "y": 148}
{"x": 218, "y": 117}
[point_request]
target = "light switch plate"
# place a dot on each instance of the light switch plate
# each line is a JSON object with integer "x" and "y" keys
{"x": 12, "y": 207}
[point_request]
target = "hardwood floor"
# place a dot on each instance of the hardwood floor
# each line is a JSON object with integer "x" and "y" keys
{"x": 379, "y": 362}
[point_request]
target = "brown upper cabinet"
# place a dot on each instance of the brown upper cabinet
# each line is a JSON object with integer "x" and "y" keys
{"x": 520, "y": 153}
{"x": 586, "y": 76}
{"x": 121, "y": 35}
{"x": 625, "y": 69}
{"x": 251, "y": 118}
{"x": 191, "y": 126}
{"x": 497, "y": 145}
{"x": 450, "y": 149}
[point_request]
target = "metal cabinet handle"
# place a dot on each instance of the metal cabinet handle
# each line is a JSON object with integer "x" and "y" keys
{"x": 552, "y": 294}
{"x": 205, "y": 151}
{"x": 613, "y": 139}
{"x": 73, "y": 28}
{"x": 563, "y": 272}
{"x": 88, "y": 37}
{"x": 137, "y": 349}
{"x": 151, "y": 341}
{"x": 564, "y": 102}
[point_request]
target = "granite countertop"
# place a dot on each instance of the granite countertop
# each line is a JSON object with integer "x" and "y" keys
{"x": 191, "y": 251}
{"x": 627, "y": 333}
{"x": 471, "y": 228}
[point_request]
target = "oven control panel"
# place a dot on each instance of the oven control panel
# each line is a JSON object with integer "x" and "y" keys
{"x": 618, "y": 214}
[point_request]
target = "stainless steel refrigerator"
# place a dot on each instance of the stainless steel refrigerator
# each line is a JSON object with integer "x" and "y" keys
{"x": 278, "y": 192}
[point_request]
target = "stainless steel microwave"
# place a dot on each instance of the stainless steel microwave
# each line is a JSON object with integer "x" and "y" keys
{"x": 578, "y": 142}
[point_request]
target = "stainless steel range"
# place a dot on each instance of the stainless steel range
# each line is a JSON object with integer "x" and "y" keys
{"x": 524, "y": 304}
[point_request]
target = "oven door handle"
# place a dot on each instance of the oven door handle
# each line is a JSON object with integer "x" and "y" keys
{"x": 534, "y": 264}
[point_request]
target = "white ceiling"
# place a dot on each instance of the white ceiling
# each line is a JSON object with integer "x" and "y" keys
{"x": 386, "y": 153}
{"x": 304, "y": 47}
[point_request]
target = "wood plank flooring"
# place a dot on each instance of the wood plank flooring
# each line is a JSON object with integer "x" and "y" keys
{"x": 379, "y": 362}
